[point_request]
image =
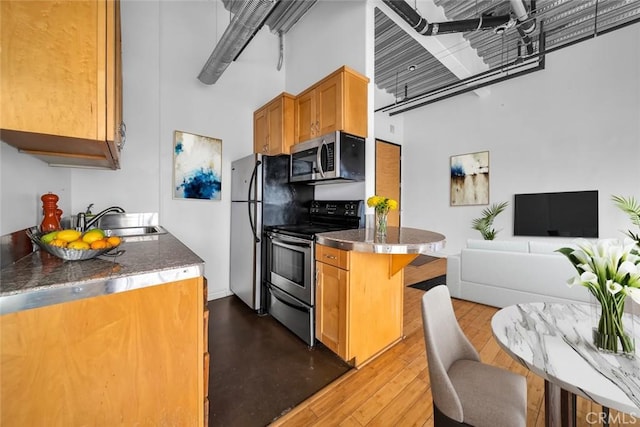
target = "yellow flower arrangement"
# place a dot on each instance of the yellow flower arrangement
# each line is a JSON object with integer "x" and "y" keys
{"x": 381, "y": 204}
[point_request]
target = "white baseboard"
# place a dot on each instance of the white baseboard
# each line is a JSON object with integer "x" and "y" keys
{"x": 218, "y": 294}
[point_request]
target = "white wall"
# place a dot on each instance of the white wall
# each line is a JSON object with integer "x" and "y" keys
{"x": 23, "y": 180}
{"x": 330, "y": 35}
{"x": 573, "y": 126}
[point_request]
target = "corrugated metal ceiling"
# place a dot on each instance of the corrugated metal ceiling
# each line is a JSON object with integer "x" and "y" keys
{"x": 564, "y": 22}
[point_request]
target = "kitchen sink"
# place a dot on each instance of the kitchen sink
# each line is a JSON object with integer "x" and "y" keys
{"x": 130, "y": 227}
{"x": 135, "y": 231}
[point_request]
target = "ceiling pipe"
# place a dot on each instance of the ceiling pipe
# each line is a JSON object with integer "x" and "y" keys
{"x": 420, "y": 24}
{"x": 497, "y": 23}
{"x": 526, "y": 26}
{"x": 246, "y": 22}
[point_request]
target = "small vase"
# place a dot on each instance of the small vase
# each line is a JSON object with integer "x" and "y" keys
{"x": 381, "y": 223}
{"x": 613, "y": 332}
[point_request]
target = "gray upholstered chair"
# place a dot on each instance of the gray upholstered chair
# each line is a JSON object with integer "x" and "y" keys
{"x": 466, "y": 391}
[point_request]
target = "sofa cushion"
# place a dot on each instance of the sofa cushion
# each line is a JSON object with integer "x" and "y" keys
{"x": 499, "y": 245}
{"x": 535, "y": 273}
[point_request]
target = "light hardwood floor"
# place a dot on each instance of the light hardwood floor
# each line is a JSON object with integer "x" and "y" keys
{"x": 393, "y": 389}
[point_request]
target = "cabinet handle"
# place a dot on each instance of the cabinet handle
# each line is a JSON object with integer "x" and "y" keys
{"x": 330, "y": 256}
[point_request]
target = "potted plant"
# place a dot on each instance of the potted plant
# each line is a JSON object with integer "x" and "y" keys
{"x": 632, "y": 208}
{"x": 484, "y": 224}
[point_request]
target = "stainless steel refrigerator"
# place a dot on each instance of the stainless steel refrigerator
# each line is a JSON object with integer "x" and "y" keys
{"x": 260, "y": 196}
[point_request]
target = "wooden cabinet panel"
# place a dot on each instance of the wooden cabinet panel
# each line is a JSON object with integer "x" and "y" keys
{"x": 273, "y": 126}
{"x": 359, "y": 299}
{"x": 337, "y": 102}
{"x": 329, "y": 105}
{"x": 260, "y": 131}
{"x": 121, "y": 359}
{"x": 306, "y": 122}
{"x": 62, "y": 80}
{"x": 331, "y": 306}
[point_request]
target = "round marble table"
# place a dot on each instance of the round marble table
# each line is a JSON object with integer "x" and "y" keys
{"x": 554, "y": 341}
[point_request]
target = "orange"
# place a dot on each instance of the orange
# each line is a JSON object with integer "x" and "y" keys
{"x": 99, "y": 244}
{"x": 114, "y": 240}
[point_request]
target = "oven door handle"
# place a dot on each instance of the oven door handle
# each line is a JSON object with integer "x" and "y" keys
{"x": 289, "y": 244}
{"x": 274, "y": 291}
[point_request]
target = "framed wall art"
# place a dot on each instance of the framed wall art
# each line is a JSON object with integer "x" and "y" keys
{"x": 197, "y": 166}
{"x": 470, "y": 179}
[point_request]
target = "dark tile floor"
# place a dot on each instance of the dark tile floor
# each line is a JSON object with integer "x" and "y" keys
{"x": 259, "y": 370}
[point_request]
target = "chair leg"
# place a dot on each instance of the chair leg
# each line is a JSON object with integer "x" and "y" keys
{"x": 441, "y": 420}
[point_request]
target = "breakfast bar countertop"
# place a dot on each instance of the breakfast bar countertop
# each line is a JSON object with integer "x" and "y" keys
{"x": 399, "y": 240}
{"x": 40, "y": 279}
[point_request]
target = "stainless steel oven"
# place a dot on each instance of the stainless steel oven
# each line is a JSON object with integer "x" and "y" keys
{"x": 290, "y": 283}
{"x": 290, "y": 266}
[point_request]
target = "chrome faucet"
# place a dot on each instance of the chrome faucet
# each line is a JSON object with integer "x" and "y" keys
{"x": 81, "y": 220}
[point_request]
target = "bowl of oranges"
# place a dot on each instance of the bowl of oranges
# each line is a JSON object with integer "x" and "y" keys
{"x": 73, "y": 245}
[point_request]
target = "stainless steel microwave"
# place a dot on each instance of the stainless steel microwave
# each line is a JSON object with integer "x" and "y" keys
{"x": 334, "y": 156}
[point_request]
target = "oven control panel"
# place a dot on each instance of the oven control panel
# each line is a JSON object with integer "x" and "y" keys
{"x": 340, "y": 208}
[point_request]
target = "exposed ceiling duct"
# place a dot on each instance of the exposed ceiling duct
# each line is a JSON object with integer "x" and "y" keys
{"x": 249, "y": 17}
{"x": 485, "y": 22}
{"x": 420, "y": 24}
{"x": 286, "y": 14}
{"x": 247, "y": 21}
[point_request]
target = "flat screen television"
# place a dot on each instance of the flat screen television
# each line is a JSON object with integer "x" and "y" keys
{"x": 564, "y": 214}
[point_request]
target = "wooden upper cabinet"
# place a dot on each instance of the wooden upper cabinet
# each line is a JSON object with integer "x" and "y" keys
{"x": 62, "y": 81}
{"x": 337, "y": 102}
{"x": 273, "y": 126}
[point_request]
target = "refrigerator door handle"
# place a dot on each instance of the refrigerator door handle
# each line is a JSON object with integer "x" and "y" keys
{"x": 253, "y": 202}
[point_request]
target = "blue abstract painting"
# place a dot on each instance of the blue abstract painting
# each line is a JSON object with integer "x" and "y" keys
{"x": 197, "y": 167}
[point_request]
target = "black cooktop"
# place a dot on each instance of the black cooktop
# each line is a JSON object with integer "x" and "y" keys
{"x": 326, "y": 215}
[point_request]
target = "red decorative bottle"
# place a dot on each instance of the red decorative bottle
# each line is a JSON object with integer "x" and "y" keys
{"x": 50, "y": 220}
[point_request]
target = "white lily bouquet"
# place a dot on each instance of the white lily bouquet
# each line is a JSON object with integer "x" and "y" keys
{"x": 610, "y": 269}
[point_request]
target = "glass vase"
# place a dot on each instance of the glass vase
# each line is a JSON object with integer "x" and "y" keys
{"x": 613, "y": 332}
{"x": 381, "y": 223}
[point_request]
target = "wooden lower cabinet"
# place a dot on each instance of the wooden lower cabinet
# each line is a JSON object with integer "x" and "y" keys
{"x": 359, "y": 299}
{"x": 130, "y": 358}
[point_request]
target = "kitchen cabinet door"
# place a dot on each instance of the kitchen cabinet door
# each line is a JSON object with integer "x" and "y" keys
{"x": 329, "y": 105}
{"x": 273, "y": 127}
{"x": 306, "y": 122}
{"x": 128, "y": 358}
{"x": 62, "y": 81}
{"x": 331, "y": 308}
{"x": 337, "y": 102}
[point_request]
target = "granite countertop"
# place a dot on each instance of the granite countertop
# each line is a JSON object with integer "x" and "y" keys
{"x": 40, "y": 279}
{"x": 401, "y": 240}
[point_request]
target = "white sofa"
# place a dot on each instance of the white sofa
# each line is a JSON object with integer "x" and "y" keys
{"x": 505, "y": 272}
